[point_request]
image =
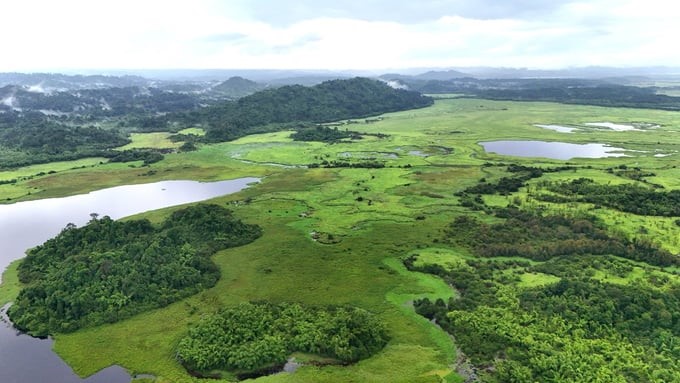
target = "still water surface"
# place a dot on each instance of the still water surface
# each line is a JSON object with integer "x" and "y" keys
{"x": 23, "y": 225}
{"x": 554, "y": 150}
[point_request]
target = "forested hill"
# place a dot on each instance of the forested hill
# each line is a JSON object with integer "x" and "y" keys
{"x": 329, "y": 101}
{"x": 563, "y": 90}
{"x": 236, "y": 87}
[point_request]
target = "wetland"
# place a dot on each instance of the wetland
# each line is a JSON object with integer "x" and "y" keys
{"x": 404, "y": 235}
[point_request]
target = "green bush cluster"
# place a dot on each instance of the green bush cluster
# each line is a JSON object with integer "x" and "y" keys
{"x": 630, "y": 197}
{"x": 540, "y": 238}
{"x": 253, "y": 336}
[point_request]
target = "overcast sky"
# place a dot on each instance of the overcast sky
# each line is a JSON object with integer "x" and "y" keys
{"x": 321, "y": 34}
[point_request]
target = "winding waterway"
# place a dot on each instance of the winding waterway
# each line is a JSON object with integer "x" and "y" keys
{"x": 23, "y": 225}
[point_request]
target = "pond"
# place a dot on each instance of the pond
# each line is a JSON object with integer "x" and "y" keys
{"x": 557, "y": 128}
{"x": 27, "y": 224}
{"x": 553, "y": 150}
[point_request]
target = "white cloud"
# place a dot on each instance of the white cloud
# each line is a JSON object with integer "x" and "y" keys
{"x": 52, "y": 35}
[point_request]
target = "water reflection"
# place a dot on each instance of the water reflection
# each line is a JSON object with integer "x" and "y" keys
{"x": 24, "y": 359}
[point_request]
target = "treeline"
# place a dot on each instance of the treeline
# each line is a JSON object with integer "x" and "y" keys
{"x": 33, "y": 138}
{"x": 329, "y": 101}
{"x": 149, "y": 156}
{"x": 324, "y": 134}
{"x": 602, "y": 95}
{"x": 629, "y": 198}
{"x": 34, "y": 132}
{"x": 257, "y": 336}
{"x": 107, "y": 102}
{"x": 347, "y": 164}
{"x": 568, "y": 91}
{"x": 109, "y": 270}
{"x": 511, "y": 184}
{"x": 539, "y": 237}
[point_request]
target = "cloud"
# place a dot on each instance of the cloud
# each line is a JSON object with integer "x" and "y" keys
{"x": 226, "y": 38}
{"x": 368, "y": 34}
{"x": 281, "y": 13}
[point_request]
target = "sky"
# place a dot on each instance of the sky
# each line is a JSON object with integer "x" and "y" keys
{"x": 48, "y": 35}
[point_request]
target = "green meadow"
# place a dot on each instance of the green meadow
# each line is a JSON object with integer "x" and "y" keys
{"x": 339, "y": 235}
{"x": 158, "y": 140}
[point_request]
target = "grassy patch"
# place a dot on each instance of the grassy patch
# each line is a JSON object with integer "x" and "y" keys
{"x": 10, "y": 287}
{"x": 536, "y": 279}
{"x": 193, "y": 131}
{"x": 50, "y": 168}
{"x": 157, "y": 140}
{"x": 448, "y": 258}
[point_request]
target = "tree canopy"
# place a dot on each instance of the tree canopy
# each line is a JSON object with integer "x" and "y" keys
{"x": 329, "y": 101}
{"x": 253, "y": 336}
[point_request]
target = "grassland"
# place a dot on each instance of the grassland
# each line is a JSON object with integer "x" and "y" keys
{"x": 376, "y": 217}
{"x": 157, "y": 140}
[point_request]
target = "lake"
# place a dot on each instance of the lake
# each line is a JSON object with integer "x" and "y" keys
{"x": 23, "y": 225}
{"x": 554, "y": 150}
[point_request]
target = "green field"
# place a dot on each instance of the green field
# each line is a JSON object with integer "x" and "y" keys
{"x": 376, "y": 217}
{"x": 151, "y": 140}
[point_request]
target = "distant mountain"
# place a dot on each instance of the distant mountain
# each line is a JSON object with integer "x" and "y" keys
{"x": 309, "y": 80}
{"x": 441, "y": 75}
{"x": 329, "y": 101}
{"x": 437, "y": 75}
{"x": 105, "y": 102}
{"x": 236, "y": 87}
{"x": 592, "y": 72}
{"x": 258, "y": 75}
{"x": 54, "y": 82}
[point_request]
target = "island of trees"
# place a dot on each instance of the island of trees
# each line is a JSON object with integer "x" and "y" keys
{"x": 254, "y": 337}
{"x": 110, "y": 270}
